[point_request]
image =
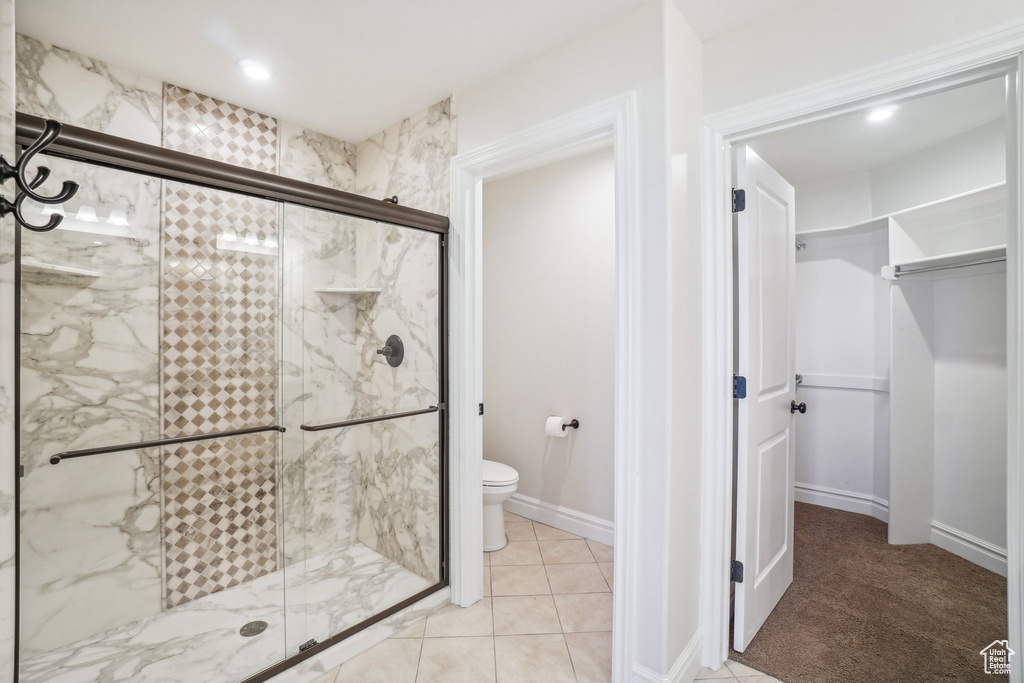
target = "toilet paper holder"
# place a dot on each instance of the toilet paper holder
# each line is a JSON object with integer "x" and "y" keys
{"x": 575, "y": 424}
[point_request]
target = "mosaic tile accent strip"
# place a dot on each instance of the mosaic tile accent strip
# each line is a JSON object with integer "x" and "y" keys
{"x": 220, "y": 301}
{"x": 214, "y": 129}
{"x": 220, "y": 515}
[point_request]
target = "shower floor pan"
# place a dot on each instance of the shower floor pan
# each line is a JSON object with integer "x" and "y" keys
{"x": 200, "y": 640}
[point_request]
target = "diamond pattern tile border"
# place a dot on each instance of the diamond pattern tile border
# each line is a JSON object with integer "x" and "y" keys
{"x": 219, "y": 356}
{"x": 219, "y": 515}
{"x": 210, "y": 128}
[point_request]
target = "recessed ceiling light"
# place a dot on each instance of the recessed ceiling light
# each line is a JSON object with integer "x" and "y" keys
{"x": 881, "y": 114}
{"x": 253, "y": 70}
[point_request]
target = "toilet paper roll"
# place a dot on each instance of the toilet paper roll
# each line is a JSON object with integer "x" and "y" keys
{"x": 553, "y": 426}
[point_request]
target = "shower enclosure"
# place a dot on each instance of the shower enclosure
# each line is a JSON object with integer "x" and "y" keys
{"x": 232, "y": 416}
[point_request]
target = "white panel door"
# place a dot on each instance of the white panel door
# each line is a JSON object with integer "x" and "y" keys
{"x": 766, "y": 303}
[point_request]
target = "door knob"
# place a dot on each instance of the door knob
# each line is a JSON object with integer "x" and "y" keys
{"x": 794, "y": 406}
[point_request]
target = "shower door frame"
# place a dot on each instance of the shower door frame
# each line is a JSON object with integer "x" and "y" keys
{"x": 110, "y": 151}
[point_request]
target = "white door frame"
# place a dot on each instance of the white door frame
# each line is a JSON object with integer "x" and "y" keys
{"x": 1001, "y": 50}
{"x": 613, "y": 120}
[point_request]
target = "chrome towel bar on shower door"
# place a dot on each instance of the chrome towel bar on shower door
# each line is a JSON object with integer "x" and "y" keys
{"x": 66, "y": 455}
{"x": 367, "y": 420}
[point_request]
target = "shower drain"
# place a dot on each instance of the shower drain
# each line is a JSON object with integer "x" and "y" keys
{"x": 253, "y": 628}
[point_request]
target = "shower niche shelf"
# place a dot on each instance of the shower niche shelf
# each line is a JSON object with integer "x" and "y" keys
{"x": 33, "y": 266}
{"x": 347, "y": 290}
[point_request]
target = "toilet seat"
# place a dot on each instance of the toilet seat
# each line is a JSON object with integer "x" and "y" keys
{"x": 498, "y": 474}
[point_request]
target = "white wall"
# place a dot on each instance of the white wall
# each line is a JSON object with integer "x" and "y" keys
{"x": 682, "y": 487}
{"x": 629, "y": 54}
{"x": 966, "y": 162}
{"x": 819, "y": 40}
{"x": 970, "y": 404}
{"x": 549, "y": 329}
{"x": 842, "y": 442}
{"x": 833, "y": 201}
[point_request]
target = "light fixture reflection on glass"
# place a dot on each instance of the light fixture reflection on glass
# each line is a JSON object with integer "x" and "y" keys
{"x": 98, "y": 243}
{"x": 119, "y": 218}
{"x": 51, "y": 209}
{"x": 253, "y": 69}
{"x": 251, "y": 239}
{"x": 270, "y": 242}
{"x": 229, "y": 235}
{"x": 881, "y": 114}
{"x": 87, "y": 214}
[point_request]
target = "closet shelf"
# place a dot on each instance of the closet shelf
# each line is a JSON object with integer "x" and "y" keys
{"x": 864, "y": 228}
{"x": 33, "y": 266}
{"x": 960, "y": 258}
{"x": 948, "y": 206}
{"x": 347, "y": 290}
{"x": 880, "y": 384}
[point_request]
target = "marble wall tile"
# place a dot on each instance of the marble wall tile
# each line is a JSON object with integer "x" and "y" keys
{"x": 397, "y": 496}
{"x": 318, "y": 349}
{"x": 90, "y": 377}
{"x": 411, "y": 160}
{"x": 397, "y": 499}
{"x": 72, "y": 88}
{"x": 90, "y": 372}
{"x": 7, "y": 353}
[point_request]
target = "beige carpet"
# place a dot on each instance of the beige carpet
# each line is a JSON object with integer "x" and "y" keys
{"x": 860, "y": 609}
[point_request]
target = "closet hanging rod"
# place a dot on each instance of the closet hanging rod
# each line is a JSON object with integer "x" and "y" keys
{"x": 67, "y": 455}
{"x": 898, "y": 270}
{"x": 367, "y": 420}
{"x": 82, "y": 144}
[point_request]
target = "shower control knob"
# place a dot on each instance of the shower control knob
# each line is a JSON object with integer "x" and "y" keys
{"x": 794, "y": 407}
{"x": 393, "y": 351}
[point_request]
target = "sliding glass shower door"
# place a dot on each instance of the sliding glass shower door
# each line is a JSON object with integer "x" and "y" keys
{"x": 361, "y": 362}
{"x": 231, "y": 429}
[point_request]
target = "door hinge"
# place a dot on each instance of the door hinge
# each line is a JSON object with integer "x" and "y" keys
{"x": 739, "y": 386}
{"x": 739, "y": 200}
{"x": 737, "y": 571}
{"x": 312, "y": 642}
{"x": 481, "y": 409}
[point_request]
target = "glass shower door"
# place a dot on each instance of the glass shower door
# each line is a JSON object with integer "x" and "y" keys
{"x": 361, "y": 384}
{"x": 231, "y": 429}
{"x": 141, "y": 323}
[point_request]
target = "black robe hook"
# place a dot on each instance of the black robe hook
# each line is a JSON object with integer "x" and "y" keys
{"x": 26, "y": 188}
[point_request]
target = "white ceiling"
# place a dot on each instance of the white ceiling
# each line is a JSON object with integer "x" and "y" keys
{"x": 348, "y": 68}
{"x": 850, "y": 143}
{"x": 713, "y": 18}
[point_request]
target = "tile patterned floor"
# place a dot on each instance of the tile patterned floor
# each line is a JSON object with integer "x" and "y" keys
{"x": 734, "y": 672}
{"x": 546, "y": 617}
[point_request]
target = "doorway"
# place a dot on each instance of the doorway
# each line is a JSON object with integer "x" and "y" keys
{"x": 882, "y": 301}
{"x": 614, "y": 121}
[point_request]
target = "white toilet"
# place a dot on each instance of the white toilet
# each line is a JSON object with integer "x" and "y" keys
{"x": 500, "y": 482}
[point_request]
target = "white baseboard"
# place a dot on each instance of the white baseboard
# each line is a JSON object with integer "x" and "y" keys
{"x": 579, "y": 523}
{"x": 848, "y": 501}
{"x": 971, "y": 548}
{"x": 684, "y": 669}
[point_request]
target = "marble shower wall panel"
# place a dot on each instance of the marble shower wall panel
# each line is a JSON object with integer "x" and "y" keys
{"x": 220, "y": 355}
{"x": 7, "y": 354}
{"x": 397, "y": 461}
{"x": 72, "y": 88}
{"x": 90, "y": 366}
{"x": 411, "y": 160}
{"x": 397, "y": 495}
{"x": 318, "y": 349}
